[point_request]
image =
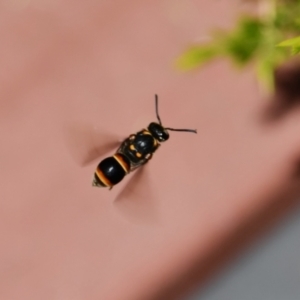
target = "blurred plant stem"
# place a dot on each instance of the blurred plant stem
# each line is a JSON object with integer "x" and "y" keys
{"x": 265, "y": 40}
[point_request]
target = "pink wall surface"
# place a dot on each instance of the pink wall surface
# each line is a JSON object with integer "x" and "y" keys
{"x": 73, "y": 69}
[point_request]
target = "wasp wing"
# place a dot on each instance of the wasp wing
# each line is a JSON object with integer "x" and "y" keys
{"x": 87, "y": 143}
{"x": 136, "y": 201}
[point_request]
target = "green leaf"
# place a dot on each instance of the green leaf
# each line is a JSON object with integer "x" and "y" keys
{"x": 294, "y": 42}
{"x": 196, "y": 56}
{"x": 242, "y": 44}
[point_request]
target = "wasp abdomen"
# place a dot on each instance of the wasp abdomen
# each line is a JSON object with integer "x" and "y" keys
{"x": 111, "y": 170}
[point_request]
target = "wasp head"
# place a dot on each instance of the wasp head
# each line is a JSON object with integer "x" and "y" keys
{"x": 158, "y": 132}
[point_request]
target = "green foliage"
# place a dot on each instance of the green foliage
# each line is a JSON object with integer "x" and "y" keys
{"x": 287, "y": 16}
{"x": 195, "y": 56}
{"x": 242, "y": 44}
{"x": 293, "y": 44}
{"x": 265, "y": 41}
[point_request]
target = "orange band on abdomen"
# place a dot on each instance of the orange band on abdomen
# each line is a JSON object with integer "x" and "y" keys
{"x": 122, "y": 162}
{"x": 103, "y": 178}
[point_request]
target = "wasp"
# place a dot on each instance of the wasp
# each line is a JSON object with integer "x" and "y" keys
{"x": 134, "y": 152}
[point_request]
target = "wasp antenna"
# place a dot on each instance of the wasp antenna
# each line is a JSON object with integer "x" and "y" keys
{"x": 186, "y": 130}
{"x": 156, "y": 109}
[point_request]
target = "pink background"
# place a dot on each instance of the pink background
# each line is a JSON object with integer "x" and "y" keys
{"x": 72, "y": 68}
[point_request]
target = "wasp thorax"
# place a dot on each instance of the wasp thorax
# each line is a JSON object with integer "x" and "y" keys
{"x": 158, "y": 132}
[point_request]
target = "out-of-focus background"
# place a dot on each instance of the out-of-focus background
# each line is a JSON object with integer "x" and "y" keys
{"x": 75, "y": 73}
{"x": 270, "y": 269}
